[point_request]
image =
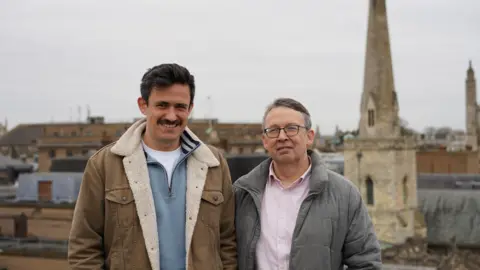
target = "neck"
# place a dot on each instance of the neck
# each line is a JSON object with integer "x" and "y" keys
{"x": 289, "y": 173}
{"x": 164, "y": 146}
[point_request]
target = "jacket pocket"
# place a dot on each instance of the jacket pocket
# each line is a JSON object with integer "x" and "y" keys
{"x": 211, "y": 208}
{"x": 121, "y": 204}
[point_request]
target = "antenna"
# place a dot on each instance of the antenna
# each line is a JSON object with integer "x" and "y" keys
{"x": 209, "y": 107}
{"x": 88, "y": 111}
{"x": 79, "y": 119}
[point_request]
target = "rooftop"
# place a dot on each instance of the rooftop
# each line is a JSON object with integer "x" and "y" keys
{"x": 6, "y": 162}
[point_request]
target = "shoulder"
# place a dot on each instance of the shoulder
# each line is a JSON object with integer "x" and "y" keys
{"x": 215, "y": 151}
{"x": 342, "y": 186}
{"x": 103, "y": 157}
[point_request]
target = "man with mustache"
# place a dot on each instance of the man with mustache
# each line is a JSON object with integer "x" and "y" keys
{"x": 293, "y": 213}
{"x": 158, "y": 198}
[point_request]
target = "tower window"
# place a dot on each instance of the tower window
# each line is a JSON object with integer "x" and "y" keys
{"x": 405, "y": 191}
{"x": 369, "y": 186}
{"x": 371, "y": 118}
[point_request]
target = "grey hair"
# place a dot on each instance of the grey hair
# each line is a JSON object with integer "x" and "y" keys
{"x": 291, "y": 104}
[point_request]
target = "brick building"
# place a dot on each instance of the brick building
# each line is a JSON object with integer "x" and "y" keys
{"x": 441, "y": 161}
{"x": 75, "y": 139}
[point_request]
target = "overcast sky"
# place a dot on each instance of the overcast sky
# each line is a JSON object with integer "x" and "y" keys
{"x": 56, "y": 55}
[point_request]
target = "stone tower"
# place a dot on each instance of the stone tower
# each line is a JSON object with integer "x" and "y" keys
{"x": 380, "y": 161}
{"x": 472, "y": 109}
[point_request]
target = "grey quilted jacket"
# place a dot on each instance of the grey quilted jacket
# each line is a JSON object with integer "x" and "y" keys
{"x": 333, "y": 228}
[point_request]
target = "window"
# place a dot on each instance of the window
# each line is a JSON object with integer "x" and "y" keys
{"x": 69, "y": 153}
{"x": 369, "y": 185}
{"x": 405, "y": 191}
{"x": 52, "y": 153}
{"x": 371, "y": 118}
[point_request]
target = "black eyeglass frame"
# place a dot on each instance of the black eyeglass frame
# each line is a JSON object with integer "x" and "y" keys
{"x": 293, "y": 132}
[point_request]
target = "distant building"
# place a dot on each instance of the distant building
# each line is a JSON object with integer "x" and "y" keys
{"x": 3, "y": 128}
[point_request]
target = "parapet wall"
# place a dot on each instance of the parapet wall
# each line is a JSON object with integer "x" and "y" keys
{"x": 45, "y": 221}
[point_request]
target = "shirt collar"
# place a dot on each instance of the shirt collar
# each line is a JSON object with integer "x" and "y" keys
{"x": 272, "y": 177}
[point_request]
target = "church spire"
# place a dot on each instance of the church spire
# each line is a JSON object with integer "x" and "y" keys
{"x": 470, "y": 72}
{"x": 471, "y": 108}
{"x": 379, "y": 105}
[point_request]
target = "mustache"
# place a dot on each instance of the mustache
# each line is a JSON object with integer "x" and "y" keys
{"x": 168, "y": 122}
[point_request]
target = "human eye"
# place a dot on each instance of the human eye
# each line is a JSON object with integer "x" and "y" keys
{"x": 162, "y": 104}
{"x": 292, "y": 127}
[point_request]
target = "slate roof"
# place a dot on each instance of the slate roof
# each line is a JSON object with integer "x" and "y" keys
{"x": 6, "y": 162}
{"x": 451, "y": 214}
{"x": 448, "y": 181}
{"x": 23, "y": 135}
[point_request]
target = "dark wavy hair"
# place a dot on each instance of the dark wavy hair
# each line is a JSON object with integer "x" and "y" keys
{"x": 166, "y": 75}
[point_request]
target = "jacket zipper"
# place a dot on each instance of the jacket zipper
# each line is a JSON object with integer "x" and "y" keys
{"x": 256, "y": 234}
{"x": 173, "y": 171}
{"x": 297, "y": 222}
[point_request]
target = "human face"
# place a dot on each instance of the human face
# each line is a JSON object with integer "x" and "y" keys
{"x": 167, "y": 114}
{"x": 287, "y": 149}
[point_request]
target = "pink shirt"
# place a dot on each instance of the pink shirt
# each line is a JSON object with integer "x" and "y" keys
{"x": 277, "y": 220}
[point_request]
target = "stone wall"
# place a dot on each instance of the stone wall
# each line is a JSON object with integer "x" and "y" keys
{"x": 391, "y": 165}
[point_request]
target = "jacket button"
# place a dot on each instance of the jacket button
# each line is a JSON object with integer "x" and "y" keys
{"x": 124, "y": 198}
{"x": 215, "y": 198}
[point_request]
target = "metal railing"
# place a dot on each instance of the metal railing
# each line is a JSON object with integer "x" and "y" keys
{"x": 32, "y": 244}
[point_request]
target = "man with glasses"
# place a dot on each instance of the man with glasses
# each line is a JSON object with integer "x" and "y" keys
{"x": 294, "y": 213}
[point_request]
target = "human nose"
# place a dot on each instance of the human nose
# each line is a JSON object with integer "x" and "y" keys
{"x": 282, "y": 135}
{"x": 171, "y": 114}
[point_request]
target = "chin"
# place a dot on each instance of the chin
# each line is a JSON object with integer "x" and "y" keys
{"x": 283, "y": 159}
{"x": 168, "y": 136}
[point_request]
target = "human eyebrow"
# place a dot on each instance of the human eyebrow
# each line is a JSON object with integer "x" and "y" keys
{"x": 162, "y": 103}
{"x": 181, "y": 105}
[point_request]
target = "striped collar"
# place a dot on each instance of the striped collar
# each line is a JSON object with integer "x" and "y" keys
{"x": 187, "y": 143}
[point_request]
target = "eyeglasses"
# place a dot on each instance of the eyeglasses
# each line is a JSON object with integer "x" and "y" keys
{"x": 290, "y": 131}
